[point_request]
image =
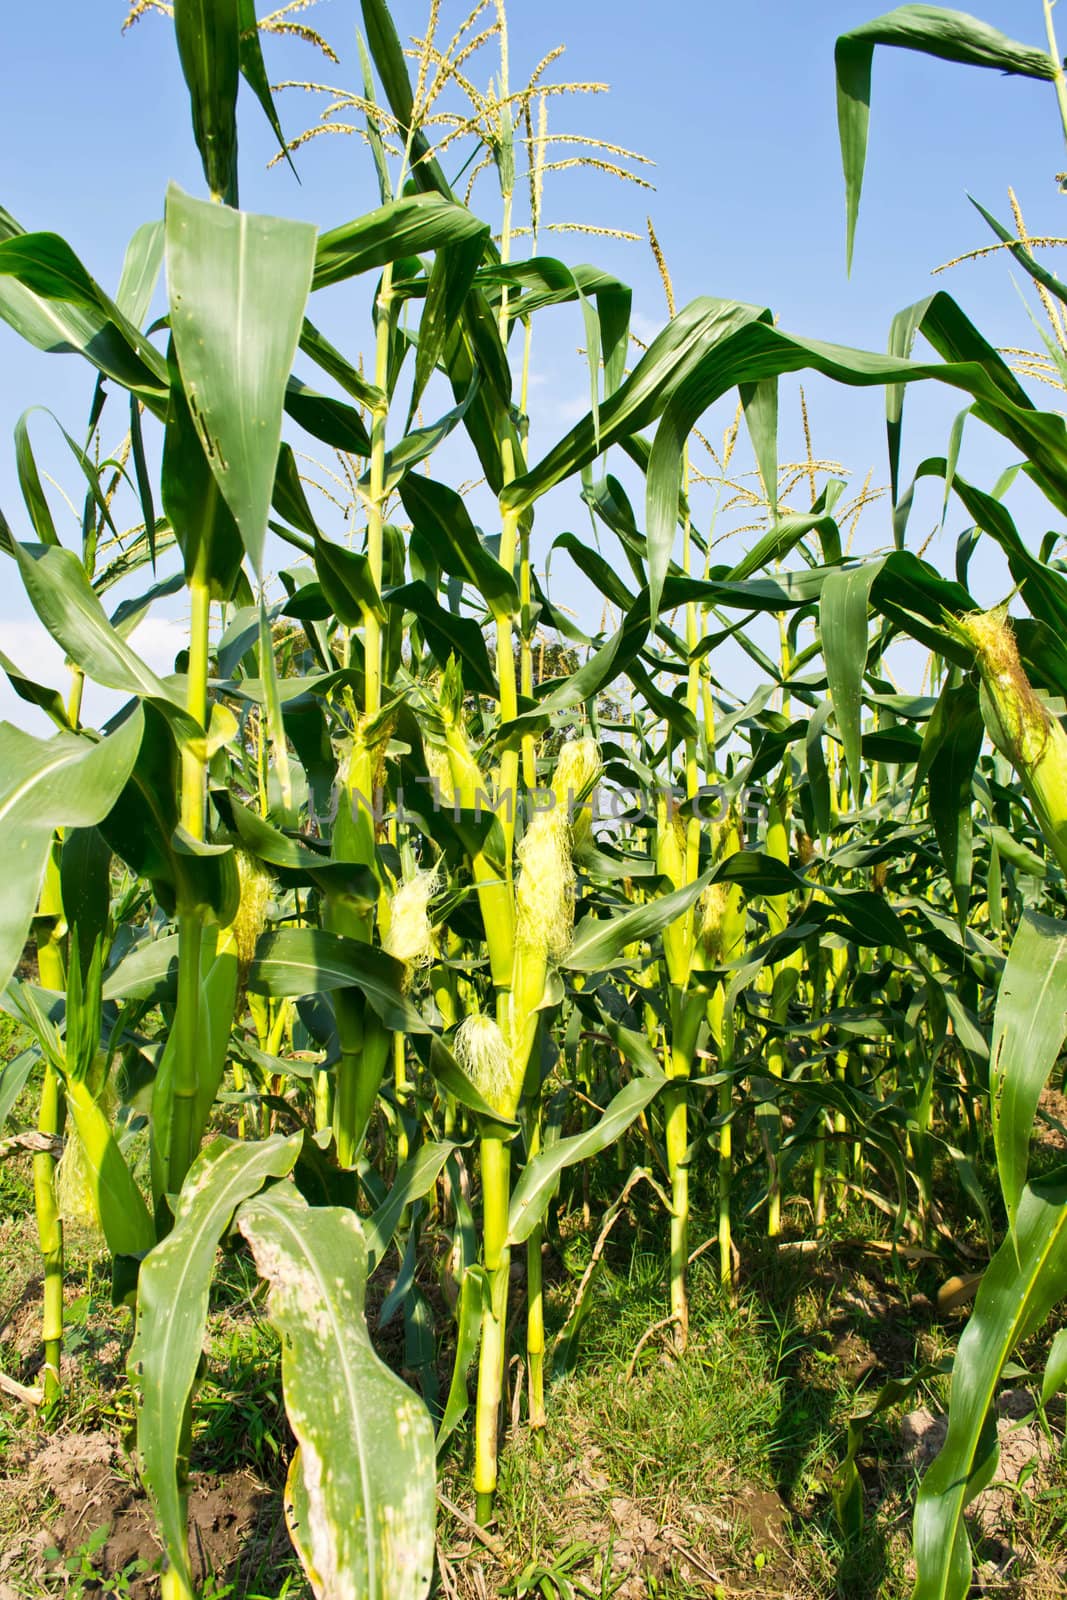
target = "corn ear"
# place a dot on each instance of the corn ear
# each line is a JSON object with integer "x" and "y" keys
{"x": 1019, "y": 723}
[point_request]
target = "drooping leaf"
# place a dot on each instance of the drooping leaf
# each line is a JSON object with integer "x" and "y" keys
{"x": 537, "y": 1184}
{"x": 49, "y": 298}
{"x": 406, "y": 227}
{"x": 415, "y": 1178}
{"x": 302, "y": 961}
{"x": 440, "y": 516}
{"x": 208, "y": 47}
{"x": 932, "y": 30}
{"x": 65, "y": 781}
{"x": 119, "y": 1205}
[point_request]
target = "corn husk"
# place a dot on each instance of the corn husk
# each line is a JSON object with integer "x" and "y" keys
{"x": 722, "y": 905}
{"x": 75, "y": 1196}
{"x": 250, "y": 918}
{"x": 578, "y": 766}
{"x": 1021, "y": 726}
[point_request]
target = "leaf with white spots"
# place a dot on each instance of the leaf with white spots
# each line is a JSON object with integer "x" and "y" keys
{"x": 361, "y": 1492}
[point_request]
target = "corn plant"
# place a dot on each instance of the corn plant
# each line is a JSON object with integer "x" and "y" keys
{"x": 410, "y": 985}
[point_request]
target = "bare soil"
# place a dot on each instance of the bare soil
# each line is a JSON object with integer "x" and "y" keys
{"x": 59, "y": 1490}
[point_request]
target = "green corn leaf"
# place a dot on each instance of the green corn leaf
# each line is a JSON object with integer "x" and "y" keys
{"x": 1055, "y": 1378}
{"x": 452, "y": 1078}
{"x": 843, "y": 611}
{"x": 714, "y": 346}
{"x": 1046, "y": 279}
{"x": 872, "y": 919}
{"x": 1026, "y": 1278}
{"x": 119, "y": 1205}
{"x": 934, "y": 31}
{"x": 14, "y": 1076}
{"x": 129, "y": 613}
{"x": 639, "y": 400}
{"x": 473, "y": 1299}
{"x": 329, "y": 420}
{"x": 419, "y": 443}
{"x": 951, "y": 745}
{"x": 63, "y": 598}
{"x": 32, "y": 489}
{"x": 143, "y": 829}
{"x": 346, "y": 580}
{"x": 786, "y": 533}
{"x": 441, "y": 517}
{"x": 415, "y": 1178}
{"x": 364, "y": 1503}
{"x": 847, "y": 1486}
{"x": 208, "y": 35}
{"x": 148, "y": 971}
{"x": 295, "y": 863}
{"x": 50, "y": 299}
{"x": 85, "y": 880}
{"x": 407, "y": 227}
{"x": 219, "y": 973}
{"x": 238, "y": 285}
{"x": 319, "y": 349}
{"x": 254, "y": 72}
{"x": 65, "y": 781}
{"x": 451, "y": 277}
{"x": 387, "y": 54}
{"x": 172, "y": 1314}
{"x": 817, "y": 772}
{"x": 600, "y": 942}
{"x": 289, "y": 497}
{"x": 1018, "y": 854}
{"x": 447, "y": 633}
{"x": 537, "y": 1185}
{"x": 141, "y": 267}
{"x": 36, "y": 694}
{"x": 759, "y": 401}
{"x": 1028, "y": 1030}
{"x": 302, "y": 961}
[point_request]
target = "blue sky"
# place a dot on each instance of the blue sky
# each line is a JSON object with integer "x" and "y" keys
{"x": 734, "y": 104}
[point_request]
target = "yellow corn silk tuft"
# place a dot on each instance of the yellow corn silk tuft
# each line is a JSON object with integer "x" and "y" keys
{"x": 577, "y": 769}
{"x": 1019, "y": 723}
{"x": 544, "y": 895}
{"x": 544, "y": 898}
{"x": 251, "y": 916}
{"x": 410, "y": 937}
{"x": 482, "y": 1052}
{"x": 439, "y": 769}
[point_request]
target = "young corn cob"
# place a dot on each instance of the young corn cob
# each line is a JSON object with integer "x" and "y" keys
{"x": 541, "y": 907}
{"x": 1019, "y": 724}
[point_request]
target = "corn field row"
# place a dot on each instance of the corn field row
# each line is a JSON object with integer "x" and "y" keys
{"x": 411, "y": 893}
